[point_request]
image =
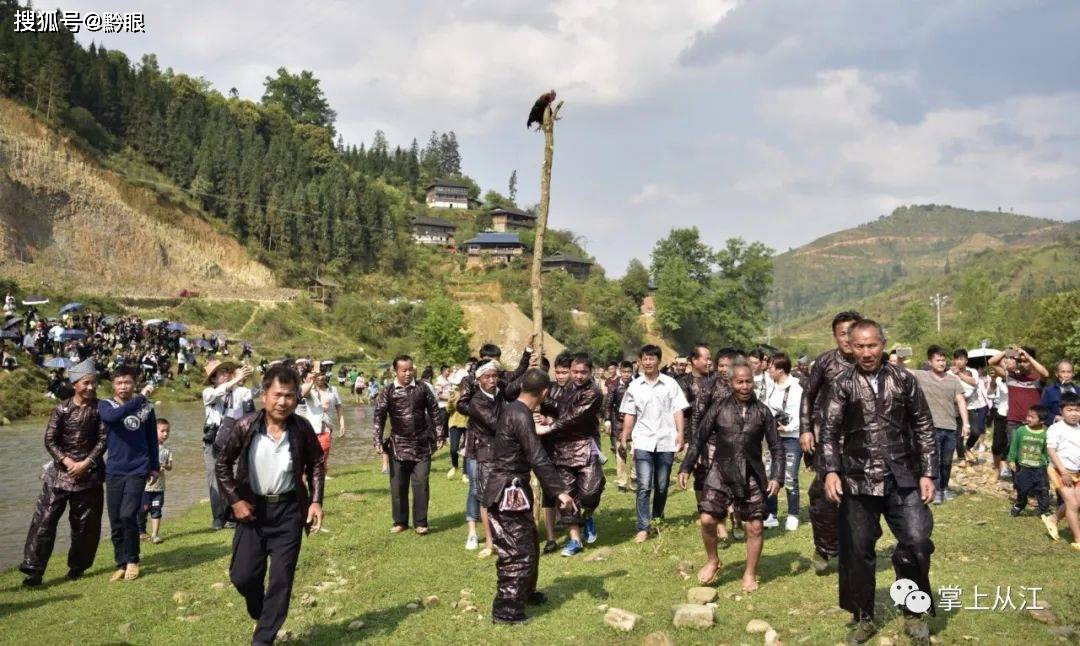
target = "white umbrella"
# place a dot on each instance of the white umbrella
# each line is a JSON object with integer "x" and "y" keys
{"x": 979, "y": 353}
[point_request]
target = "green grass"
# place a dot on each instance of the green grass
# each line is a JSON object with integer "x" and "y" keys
{"x": 976, "y": 543}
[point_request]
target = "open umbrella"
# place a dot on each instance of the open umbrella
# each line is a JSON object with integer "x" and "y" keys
{"x": 12, "y": 334}
{"x": 71, "y": 307}
{"x": 203, "y": 343}
{"x": 12, "y": 322}
{"x": 176, "y": 327}
{"x": 978, "y": 353}
{"x": 57, "y": 362}
{"x": 153, "y": 322}
{"x": 109, "y": 320}
{"x": 72, "y": 335}
{"x": 35, "y": 300}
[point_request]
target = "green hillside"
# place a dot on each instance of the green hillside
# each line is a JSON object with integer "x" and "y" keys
{"x": 1019, "y": 293}
{"x": 913, "y": 242}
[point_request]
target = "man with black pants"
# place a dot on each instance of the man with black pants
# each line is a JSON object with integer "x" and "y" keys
{"x": 410, "y": 408}
{"x": 75, "y": 439}
{"x": 880, "y": 457}
{"x": 827, "y": 367}
{"x": 132, "y": 460}
{"x": 271, "y": 472}
{"x": 516, "y": 450}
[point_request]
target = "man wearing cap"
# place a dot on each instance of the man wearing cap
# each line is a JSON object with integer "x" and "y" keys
{"x": 75, "y": 440}
{"x": 223, "y": 398}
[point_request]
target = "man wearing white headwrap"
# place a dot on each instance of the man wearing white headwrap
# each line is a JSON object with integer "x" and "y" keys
{"x": 75, "y": 439}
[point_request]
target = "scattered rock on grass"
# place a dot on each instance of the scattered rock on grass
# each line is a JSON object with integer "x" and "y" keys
{"x": 659, "y": 638}
{"x": 700, "y": 595}
{"x": 756, "y": 626}
{"x": 218, "y": 585}
{"x": 772, "y": 638}
{"x": 125, "y": 629}
{"x": 308, "y": 601}
{"x": 692, "y": 615}
{"x": 431, "y": 601}
{"x": 412, "y": 606}
{"x": 1043, "y": 615}
{"x": 620, "y": 619}
{"x": 354, "y": 625}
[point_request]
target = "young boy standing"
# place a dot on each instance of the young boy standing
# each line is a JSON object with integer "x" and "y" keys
{"x": 153, "y": 501}
{"x": 1063, "y": 447}
{"x": 1029, "y": 459}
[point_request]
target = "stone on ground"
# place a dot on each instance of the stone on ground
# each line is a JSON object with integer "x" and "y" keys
{"x": 758, "y": 626}
{"x": 659, "y": 638}
{"x": 620, "y": 619}
{"x": 700, "y": 595}
{"x": 692, "y": 615}
{"x": 356, "y": 624}
{"x": 431, "y": 601}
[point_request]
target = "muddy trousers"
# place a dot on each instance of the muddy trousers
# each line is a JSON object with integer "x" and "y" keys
{"x": 517, "y": 562}
{"x": 84, "y": 515}
{"x": 823, "y": 519}
{"x": 585, "y": 485}
{"x": 860, "y": 527}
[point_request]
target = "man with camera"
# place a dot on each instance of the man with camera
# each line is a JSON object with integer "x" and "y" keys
{"x": 224, "y": 399}
{"x": 783, "y": 396}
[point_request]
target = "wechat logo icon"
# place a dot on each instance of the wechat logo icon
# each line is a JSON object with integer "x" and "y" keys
{"x": 908, "y": 596}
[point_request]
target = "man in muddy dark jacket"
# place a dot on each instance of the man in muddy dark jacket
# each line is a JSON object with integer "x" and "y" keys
{"x": 483, "y": 410}
{"x": 574, "y": 448}
{"x": 696, "y": 384}
{"x": 516, "y": 451}
{"x": 624, "y": 467}
{"x": 413, "y": 410}
{"x": 490, "y": 351}
{"x": 271, "y": 472}
{"x": 827, "y": 367}
{"x": 75, "y": 439}
{"x": 879, "y": 454}
{"x": 734, "y": 475}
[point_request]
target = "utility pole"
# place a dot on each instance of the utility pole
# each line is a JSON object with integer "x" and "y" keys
{"x": 939, "y": 300}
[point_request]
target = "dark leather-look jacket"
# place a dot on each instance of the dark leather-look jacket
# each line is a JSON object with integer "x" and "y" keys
{"x": 516, "y": 451}
{"x": 826, "y": 368}
{"x": 711, "y": 390}
{"x": 737, "y": 439}
{"x": 483, "y": 412}
{"x": 507, "y": 380}
{"x": 612, "y": 402}
{"x": 75, "y": 432}
{"x": 415, "y": 422}
{"x": 309, "y": 469}
{"x": 865, "y": 436}
{"x": 577, "y": 425}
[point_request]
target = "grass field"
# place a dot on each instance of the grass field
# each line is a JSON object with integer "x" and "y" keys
{"x": 358, "y": 571}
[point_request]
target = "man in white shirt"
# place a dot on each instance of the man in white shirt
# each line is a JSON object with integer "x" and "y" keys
{"x": 1063, "y": 447}
{"x": 784, "y": 398}
{"x": 652, "y": 411}
{"x": 976, "y": 399}
{"x": 224, "y": 397}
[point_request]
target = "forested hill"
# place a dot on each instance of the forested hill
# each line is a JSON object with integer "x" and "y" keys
{"x": 271, "y": 170}
{"x": 912, "y": 242}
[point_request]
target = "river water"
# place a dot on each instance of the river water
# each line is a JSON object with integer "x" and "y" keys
{"x": 22, "y": 454}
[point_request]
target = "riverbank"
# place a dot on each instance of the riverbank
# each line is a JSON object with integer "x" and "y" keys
{"x": 357, "y": 571}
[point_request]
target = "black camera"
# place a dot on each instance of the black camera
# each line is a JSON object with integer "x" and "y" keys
{"x": 782, "y": 418}
{"x": 209, "y": 433}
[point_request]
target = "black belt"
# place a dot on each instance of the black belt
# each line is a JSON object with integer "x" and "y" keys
{"x": 273, "y": 499}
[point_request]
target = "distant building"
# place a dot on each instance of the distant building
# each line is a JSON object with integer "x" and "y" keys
{"x": 431, "y": 230}
{"x": 492, "y": 248}
{"x": 324, "y": 290}
{"x": 448, "y": 195}
{"x": 577, "y": 267}
{"x": 510, "y": 219}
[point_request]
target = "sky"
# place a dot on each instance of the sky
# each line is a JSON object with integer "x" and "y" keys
{"x": 771, "y": 120}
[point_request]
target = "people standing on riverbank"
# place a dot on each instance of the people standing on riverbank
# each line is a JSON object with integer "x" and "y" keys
{"x": 75, "y": 439}
{"x": 132, "y": 462}
{"x": 271, "y": 472}
{"x": 410, "y": 407}
{"x": 225, "y": 397}
{"x": 323, "y": 409}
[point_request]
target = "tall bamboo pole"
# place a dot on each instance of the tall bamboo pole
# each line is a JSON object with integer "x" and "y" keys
{"x": 551, "y": 114}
